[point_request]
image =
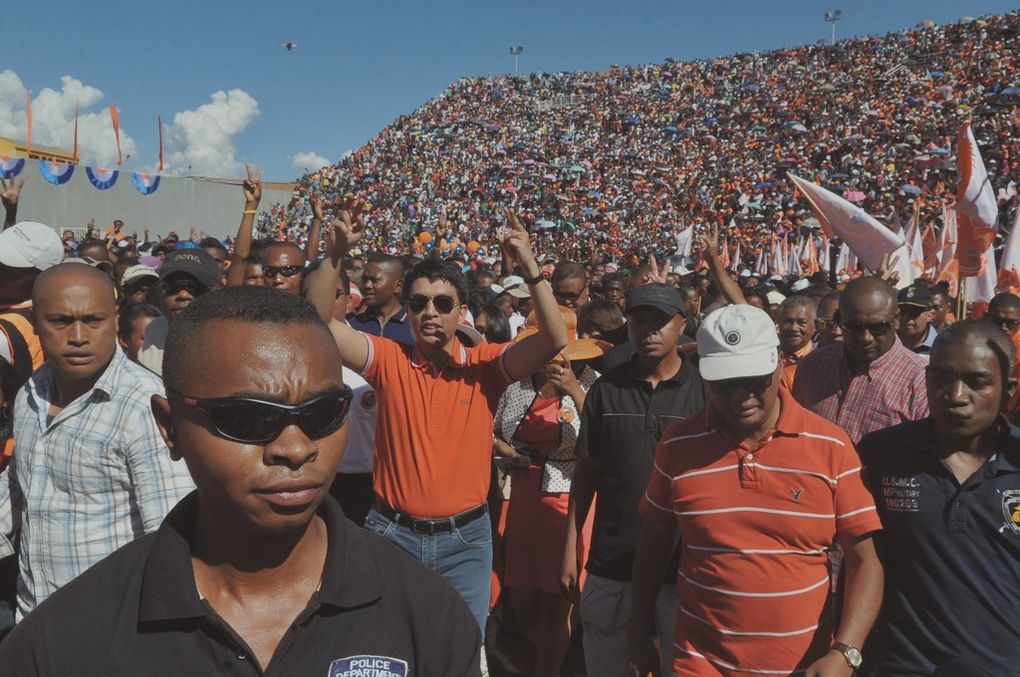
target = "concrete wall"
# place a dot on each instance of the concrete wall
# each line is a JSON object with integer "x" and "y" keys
{"x": 178, "y": 204}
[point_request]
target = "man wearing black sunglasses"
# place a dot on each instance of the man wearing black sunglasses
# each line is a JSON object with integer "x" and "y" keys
{"x": 284, "y": 267}
{"x": 870, "y": 380}
{"x": 184, "y": 276}
{"x": 436, "y": 402}
{"x": 257, "y": 570}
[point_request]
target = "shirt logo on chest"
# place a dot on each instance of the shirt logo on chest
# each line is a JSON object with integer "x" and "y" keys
{"x": 795, "y": 493}
{"x": 367, "y": 666}
{"x": 901, "y": 494}
{"x": 1011, "y": 509}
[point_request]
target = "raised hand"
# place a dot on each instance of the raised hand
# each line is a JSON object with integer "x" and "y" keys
{"x": 316, "y": 203}
{"x": 252, "y": 186}
{"x": 657, "y": 274}
{"x": 515, "y": 241}
{"x": 10, "y": 191}
{"x": 347, "y": 229}
{"x": 709, "y": 240}
{"x": 887, "y": 269}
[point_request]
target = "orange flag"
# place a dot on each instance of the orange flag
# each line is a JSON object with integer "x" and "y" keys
{"x": 28, "y": 140}
{"x": 976, "y": 209}
{"x": 115, "y": 120}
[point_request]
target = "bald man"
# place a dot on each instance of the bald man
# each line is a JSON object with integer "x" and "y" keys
{"x": 90, "y": 470}
{"x": 870, "y": 380}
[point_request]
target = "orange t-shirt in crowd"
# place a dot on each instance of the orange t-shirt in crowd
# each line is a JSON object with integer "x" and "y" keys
{"x": 757, "y": 523}
{"x": 790, "y": 363}
{"x": 433, "y": 440}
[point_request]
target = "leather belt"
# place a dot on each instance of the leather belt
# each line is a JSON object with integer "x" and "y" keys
{"x": 434, "y": 525}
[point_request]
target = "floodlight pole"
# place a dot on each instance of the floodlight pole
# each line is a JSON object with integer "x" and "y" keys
{"x": 832, "y": 17}
{"x": 516, "y": 51}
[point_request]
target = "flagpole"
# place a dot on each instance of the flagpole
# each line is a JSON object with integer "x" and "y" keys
{"x": 961, "y": 292}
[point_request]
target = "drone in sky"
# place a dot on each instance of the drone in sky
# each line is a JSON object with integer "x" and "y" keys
{"x": 289, "y": 46}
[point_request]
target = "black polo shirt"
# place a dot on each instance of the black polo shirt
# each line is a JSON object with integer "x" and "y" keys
{"x": 951, "y": 553}
{"x": 138, "y": 613}
{"x": 622, "y": 421}
{"x": 396, "y": 329}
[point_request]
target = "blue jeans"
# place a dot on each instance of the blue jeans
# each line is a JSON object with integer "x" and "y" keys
{"x": 462, "y": 556}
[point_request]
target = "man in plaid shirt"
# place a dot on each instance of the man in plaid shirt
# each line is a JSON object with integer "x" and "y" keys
{"x": 871, "y": 380}
{"x": 90, "y": 471}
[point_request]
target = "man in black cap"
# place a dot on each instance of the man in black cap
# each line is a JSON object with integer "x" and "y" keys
{"x": 185, "y": 275}
{"x": 624, "y": 415}
{"x": 257, "y": 572}
{"x": 916, "y": 315}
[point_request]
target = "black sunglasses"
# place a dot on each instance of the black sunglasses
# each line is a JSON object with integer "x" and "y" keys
{"x": 139, "y": 286}
{"x": 729, "y": 386}
{"x": 173, "y": 287}
{"x": 443, "y": 304}
{"x": 254, "y": 421}
{"x": 286, "y": 271}
{"x": 874, "y": 328}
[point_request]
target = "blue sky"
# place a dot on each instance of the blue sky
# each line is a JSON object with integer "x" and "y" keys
{"x": 359, "y": 65}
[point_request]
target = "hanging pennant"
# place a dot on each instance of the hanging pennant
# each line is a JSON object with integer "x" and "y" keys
{"x": 146, "y": 184}
{"x": 115, "y": 121}
{"x": 11, "y": 166}
{"x": 101, "y": 177}
{"x": 57, "y": 173}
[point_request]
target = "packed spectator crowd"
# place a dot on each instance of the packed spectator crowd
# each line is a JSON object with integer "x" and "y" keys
{"x": 458, "y": 415}
{"x": 612, "y": 164}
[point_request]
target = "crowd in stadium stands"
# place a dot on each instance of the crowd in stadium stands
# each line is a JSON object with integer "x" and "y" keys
{"x": 567, "y": 457}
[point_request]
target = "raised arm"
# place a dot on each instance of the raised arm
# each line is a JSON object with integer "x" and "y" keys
{"x": 10, "y": 192}
{"x": 252, "y": 188}
{"x": 710, "y": 251}
{"x": 344, "y": 232}
{"x": 527, "y": 356}
{"x": 312, "y": 246}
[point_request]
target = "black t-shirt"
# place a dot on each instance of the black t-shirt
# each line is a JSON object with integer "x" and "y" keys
{"x": 951, "y": 554}
{"x": 378, "y": 613}
{"x": 622, "y": 421}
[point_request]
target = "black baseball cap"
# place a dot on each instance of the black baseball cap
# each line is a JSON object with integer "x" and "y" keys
{"x": 917, "y": 295}
{"x": 195, "y": 263}
{"x": 659, "y": 296}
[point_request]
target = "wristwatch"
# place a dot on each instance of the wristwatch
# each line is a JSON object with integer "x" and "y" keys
{"x": 851, "y": 653}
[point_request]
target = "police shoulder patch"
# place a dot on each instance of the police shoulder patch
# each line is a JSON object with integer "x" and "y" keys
{"x": 368, "y": 666}
{"x": 1011, "y": 509}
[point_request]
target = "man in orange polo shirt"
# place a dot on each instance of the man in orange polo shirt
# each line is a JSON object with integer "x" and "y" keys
{"x": 796, "y": 331}
{"x": 433, "y": 443}
{"x": 761, "y": 489}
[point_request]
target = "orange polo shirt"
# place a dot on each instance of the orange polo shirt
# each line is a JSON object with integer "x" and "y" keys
{"x": 790, "y": 363}
{"x": 433, "y": 440}
{"x": 757, "y": 523}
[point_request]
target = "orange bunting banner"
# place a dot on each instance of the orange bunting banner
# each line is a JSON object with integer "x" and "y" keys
{"x": 115, "y": 120}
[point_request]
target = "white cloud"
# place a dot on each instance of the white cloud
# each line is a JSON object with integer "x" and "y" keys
{"x": 201, "y": 141}
{"x": 53, "y": 119}
{"x": 309, "y": 161}
{"x": 197, "y": 142}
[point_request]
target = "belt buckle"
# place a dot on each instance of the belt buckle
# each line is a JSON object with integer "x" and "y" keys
{"x": 425, "y": 527}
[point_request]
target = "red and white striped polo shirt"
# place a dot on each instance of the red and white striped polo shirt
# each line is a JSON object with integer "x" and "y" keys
{"x": 756, "y": 522}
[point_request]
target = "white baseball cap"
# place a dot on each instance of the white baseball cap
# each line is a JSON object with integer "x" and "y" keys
{"x": 30, "y": 244}
{"x": 137, "y": 272}
{"x": 737, "y": 341}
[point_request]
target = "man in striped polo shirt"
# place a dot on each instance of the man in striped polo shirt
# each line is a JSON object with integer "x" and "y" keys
{"x": 760, "y": 488}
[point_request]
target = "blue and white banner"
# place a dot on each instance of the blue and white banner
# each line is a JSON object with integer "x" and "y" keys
{"x": 57, "y": 173}
{"x": 101, "y": 177}
{"x": 146, "y": 184}
{"x": 11, "y": 166}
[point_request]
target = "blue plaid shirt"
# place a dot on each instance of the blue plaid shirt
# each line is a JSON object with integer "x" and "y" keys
{"x": 90, "y": 480}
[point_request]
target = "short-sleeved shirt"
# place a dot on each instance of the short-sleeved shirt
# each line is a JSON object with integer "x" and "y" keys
{"x": 359, "y": 454}
{"x": 433, "y": 435}
{"x": 621, "y": 423}
{"x": 951, "y": 553}
{"x": 757, "y": 523}
{"x": 139, "y": 612}
{"x": 396, "y": 328}
{"x": 861, "y": 400}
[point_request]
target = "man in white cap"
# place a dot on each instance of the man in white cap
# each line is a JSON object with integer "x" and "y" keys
{"x": 26, "y": 249}
{"x": 761, "y": 489}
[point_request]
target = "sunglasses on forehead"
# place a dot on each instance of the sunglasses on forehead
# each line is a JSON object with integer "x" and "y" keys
{"x": 286, "y": 271}
{"x": 443, "y": 303}
{"x": 253, "y": 421}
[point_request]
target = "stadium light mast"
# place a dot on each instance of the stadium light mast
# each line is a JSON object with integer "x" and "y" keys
{"x": 832, "y": 17}
{"x": 516, "y": 51}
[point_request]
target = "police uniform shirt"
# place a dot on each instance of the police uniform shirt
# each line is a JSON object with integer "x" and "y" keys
{"x": 378, "y": 613}
{"x": 951, "y": 553}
